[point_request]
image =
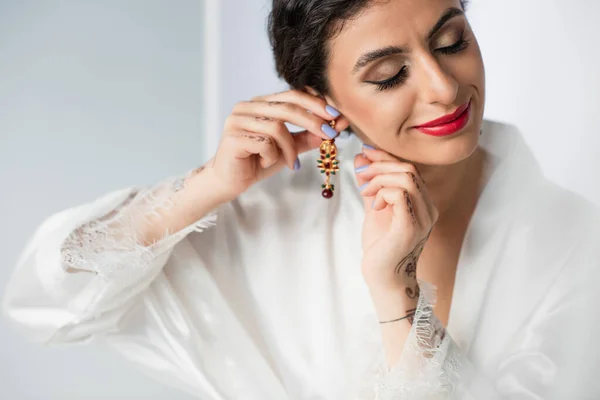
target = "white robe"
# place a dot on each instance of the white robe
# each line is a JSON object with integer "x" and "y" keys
{"x": 268, "y": 302}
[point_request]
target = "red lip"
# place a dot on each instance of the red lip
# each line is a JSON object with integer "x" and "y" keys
{"x": 448, "y": 124}
{"x": 446, "y": 118}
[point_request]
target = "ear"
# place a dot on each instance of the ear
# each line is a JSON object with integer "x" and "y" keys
{"x": 328, "y": 99}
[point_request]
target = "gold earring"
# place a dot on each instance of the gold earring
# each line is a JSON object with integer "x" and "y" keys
{"x": 328, "y": 164}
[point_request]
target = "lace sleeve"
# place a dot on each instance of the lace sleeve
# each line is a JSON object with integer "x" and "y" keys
{"x": 431, "y": 364}
{"x": 113, "y": 240}
{"x": 553, "y": 355}
{"x": 90, "y": 262}
{"x": 112, "y": 246}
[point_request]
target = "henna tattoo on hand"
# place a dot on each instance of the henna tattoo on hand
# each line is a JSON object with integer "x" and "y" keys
{"x": 421, "y": 176}
{"x": 263, "y": 118}
{"x": 409, "y": 263}
{"x": 410, "y": 207}
{"x": 257, "y": 138}
{"x": 415, "y": 180}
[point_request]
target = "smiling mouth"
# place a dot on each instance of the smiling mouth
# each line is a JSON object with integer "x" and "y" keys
{"x": 447, "y": 118}
{"x": 449, "y": 124}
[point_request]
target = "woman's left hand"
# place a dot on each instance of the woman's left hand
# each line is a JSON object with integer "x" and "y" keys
{"x": 399, "y": 216}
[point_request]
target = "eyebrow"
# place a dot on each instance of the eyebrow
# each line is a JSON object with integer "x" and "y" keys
{"x": 371, "y": 56}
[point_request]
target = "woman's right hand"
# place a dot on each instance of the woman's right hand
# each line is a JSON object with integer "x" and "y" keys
{"x": 256, "y": 144}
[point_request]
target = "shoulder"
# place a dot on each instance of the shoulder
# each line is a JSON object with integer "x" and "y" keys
{"x": 545, "y": 220}
{"x": 555, "y": 224}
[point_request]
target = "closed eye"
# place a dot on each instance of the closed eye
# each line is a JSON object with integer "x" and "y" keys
{"x": 397, "y": 79}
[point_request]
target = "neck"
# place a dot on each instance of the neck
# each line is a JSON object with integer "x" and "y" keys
{"x": 454, "y": 188}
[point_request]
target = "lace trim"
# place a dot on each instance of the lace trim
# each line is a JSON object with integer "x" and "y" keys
{"x": 111, "y": 246}
{"x": 430, "y": 364}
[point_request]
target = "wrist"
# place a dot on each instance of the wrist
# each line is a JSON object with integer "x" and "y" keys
{"x": 394, "y": 303}
{"x": 209, "y": 190}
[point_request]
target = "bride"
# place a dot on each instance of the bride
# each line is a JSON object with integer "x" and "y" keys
{"x": 399, "y": 247}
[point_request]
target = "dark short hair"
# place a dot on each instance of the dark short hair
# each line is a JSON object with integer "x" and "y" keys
{"x": 299, "y": 31}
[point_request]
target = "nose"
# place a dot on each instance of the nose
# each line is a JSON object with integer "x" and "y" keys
{"x": 435, "y": 84}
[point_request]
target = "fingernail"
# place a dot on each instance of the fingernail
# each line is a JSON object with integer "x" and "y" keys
{"x": 363, "y": 186}
{"x": 366, "y": 146}
{"x": 297, "y": 164}
{"x": 329, "y": 131}
{"x": 373, "y": 204}
{"x": 332, "y": 111}
{"x": 361, "y": 169}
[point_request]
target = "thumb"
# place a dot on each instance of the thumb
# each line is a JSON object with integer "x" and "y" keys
{"x": 305, "y": 141}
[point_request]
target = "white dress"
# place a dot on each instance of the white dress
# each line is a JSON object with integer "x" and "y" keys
{"x": 264, "y": 298}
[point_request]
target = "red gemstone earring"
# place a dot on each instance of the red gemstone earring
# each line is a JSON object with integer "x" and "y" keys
{"x": 328, "y": 164}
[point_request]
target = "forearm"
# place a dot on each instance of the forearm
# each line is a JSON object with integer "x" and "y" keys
{"x": 163, "y": 213}
{"x": 195, "y": 197}
{"x": 395, "y": 311}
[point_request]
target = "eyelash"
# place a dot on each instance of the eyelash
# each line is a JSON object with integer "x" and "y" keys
{"x": 402, "y": 75}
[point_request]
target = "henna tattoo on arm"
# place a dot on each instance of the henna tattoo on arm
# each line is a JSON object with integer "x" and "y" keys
{"x": 198, "y": 170}
{"x": 181, "y": 183}
{"x": 413, "y": 292}
{"x": 410, "y": 315}
{"x": 409, "y": 265}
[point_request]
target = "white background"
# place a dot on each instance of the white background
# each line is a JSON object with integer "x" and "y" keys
{"x": 97, "y": 95}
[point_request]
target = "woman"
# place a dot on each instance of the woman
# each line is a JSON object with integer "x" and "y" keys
{"x": 292, "y": 296}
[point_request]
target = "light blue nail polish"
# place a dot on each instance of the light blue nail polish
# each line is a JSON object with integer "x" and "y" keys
{"x": 361, "y": 169}
{"x": 329, "y": 131}
{"x": 366, "y": 146}
{"x": 332, "y": 111}
{"x": 373, "y": 204}
{"x": 297, "y": 164}
{"x": 363, "y": 186}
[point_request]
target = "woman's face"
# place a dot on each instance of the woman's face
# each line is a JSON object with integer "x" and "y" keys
{"x": 403, "y": 63}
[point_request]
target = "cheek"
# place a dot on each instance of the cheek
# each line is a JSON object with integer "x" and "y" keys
{"x": 468, "y": 69}
{"x": 378, "y": 114}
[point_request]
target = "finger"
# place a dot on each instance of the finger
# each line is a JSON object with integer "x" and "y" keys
{"x": 375, "y": 155}
{"x": 288, "y": 112}
{"x": 313, "y": 104}
{"x": 316, "y": 105}
{"x": 271, "y": 127}
{"x": 306, "y": 141}
{"x": 244, "y": 144}
{"x": 384, "y": 167}
{"x": 401, "y": 202}
{"x": 360, "y": 163}
{"x": 406, "y": 181}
